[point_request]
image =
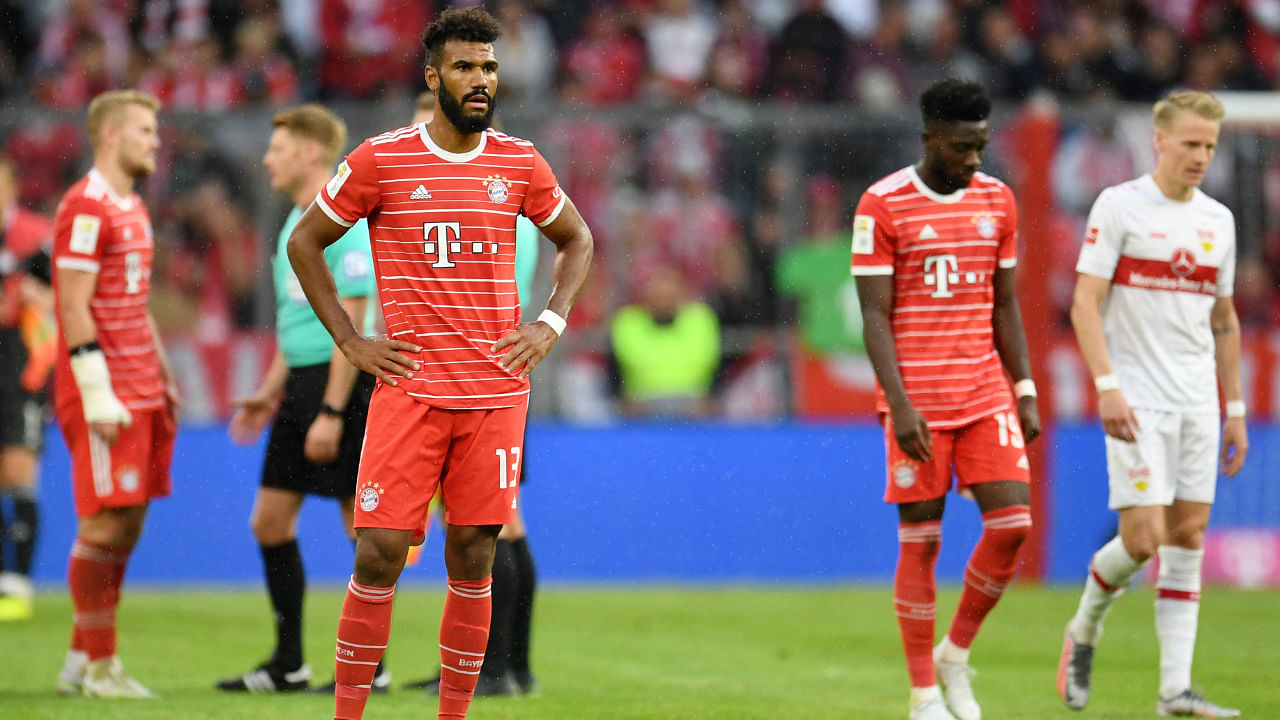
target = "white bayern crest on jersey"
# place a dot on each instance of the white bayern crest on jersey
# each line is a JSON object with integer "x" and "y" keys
{"x": 986, "y": 225}
{"x": 498, "y": 187}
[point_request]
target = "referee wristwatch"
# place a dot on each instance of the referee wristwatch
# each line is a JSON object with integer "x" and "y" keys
{"x": 331, "y": 411}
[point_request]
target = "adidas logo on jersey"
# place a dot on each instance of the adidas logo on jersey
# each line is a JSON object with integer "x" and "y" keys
{"x": 420, "y": 193}
{"x": 928, "y": 233}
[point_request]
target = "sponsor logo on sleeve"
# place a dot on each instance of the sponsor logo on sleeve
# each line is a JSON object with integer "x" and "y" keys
{"x": 339, "y": 179}
{"x": 1091, "y": 238}
{"x": 84, "y": 233}
{"x": 864, "y": 235}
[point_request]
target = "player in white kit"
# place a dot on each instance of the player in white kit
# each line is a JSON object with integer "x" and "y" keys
{"x": 1154, "y": 318}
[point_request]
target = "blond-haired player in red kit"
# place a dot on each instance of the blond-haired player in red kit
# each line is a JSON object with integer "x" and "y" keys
{"x": 1157, "y": 327}
{"x": 116, "y": 397}
{"x": 934, "y": 249}
{"x": 449, "y": 409}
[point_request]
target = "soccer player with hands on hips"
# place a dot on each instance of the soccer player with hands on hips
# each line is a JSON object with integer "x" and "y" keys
{"x": 934, "y": 250}
{"x": 449, "y": 409}
{"x": 1154, "y": 317}
{"x": 116, "y": 398}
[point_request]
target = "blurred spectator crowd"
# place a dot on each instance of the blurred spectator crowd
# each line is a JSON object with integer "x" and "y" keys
{"x": 689, "y": 212}
{"x": 218, "y": 54}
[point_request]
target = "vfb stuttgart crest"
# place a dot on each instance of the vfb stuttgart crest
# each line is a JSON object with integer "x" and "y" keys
{"x": 370, "y": 496}
{"x": 498, "y": 187}
{"x": 1183, "y": 262}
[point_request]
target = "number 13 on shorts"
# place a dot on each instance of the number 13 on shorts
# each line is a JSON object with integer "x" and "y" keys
{"x": 508, "y": 467}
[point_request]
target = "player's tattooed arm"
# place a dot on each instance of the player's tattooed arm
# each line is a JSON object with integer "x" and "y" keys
{"x": 875, "y": 297}
{"x": 1011, "y": 343}
{"x": 380, "y": 357}
{"x": 531, "y": 342}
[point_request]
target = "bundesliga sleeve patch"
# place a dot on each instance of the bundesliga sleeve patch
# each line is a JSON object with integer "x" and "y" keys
{"x": 84, "y": 234}
{"x": 864, "y": 235}
{"x": 339, "y": 179}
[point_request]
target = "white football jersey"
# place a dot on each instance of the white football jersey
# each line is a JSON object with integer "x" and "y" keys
{"x": 1168, "y": 263}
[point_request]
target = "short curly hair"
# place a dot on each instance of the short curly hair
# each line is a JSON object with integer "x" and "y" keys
{"x": 471, "y": 24}
{"x": 955, "y": 100}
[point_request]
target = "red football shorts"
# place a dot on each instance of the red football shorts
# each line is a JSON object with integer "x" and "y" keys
{"x": 132, "y": 472}
{"x": 984, "y": 451}
{"x": 473, "y": 456}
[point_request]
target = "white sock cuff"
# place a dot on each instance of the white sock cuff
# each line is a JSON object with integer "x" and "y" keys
{"x": 1113, "y": 565}
{"x": 1179, "y": 568}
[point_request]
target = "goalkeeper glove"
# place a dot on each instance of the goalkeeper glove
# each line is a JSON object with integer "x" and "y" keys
{"x": 100, "y": 404}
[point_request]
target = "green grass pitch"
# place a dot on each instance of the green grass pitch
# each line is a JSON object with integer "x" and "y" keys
{"x": 640, "y": 653}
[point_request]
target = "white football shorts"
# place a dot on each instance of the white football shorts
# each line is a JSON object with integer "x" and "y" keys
{"x": 1175, "y": 455}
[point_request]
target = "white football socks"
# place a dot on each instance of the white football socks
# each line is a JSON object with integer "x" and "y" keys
{"x": 1177, "y": 614}
{"x": 949, "y": 652}
{"x": 1113, "y": 567}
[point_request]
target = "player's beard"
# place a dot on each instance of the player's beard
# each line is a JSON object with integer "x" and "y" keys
{"x": 452, "y": 109}
{"x": 137, "y": 168}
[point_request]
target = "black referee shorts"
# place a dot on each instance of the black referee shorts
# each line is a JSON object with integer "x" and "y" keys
{"x": 21, "y": 413}
{"x": 285, "y": 466}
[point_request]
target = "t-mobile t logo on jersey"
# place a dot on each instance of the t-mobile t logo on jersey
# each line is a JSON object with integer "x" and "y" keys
{"x": 437, "y": 242}
{"x": 941, "y": 271}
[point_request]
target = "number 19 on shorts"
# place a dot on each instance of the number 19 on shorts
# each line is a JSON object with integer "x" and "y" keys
{"x": 508, "y": 463}
{"x": 1009, "y": 430}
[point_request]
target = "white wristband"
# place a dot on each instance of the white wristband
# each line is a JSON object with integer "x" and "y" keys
{"x": 1103, "y": 383}
{"x": 96, "y": 396}
{"x": 1235, "y": 409}
{"x": 1024, "y": 388}
{"x": 556, "y": 322}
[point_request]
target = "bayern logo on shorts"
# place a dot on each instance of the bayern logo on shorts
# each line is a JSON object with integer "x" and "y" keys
{"x": 904, "y": 475}
{"x": 497, "y": 191}
{"x": 128, "y": 479}
{"x": 370, "y": 496}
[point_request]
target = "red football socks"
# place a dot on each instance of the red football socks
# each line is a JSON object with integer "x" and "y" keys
{"x": 914, "y": 596}
{"x": 991, "y": 566}
{"x": 464, "y": 633}
{"x": 94, "y": 576}
{"x": 363, "y": 629}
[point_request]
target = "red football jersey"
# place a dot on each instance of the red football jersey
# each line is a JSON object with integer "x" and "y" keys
{"x": 442, "y": 229}
{"x": 943, "y": 252}
{"x": 100, "y": 232}
{"x": 22, "y": 235}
